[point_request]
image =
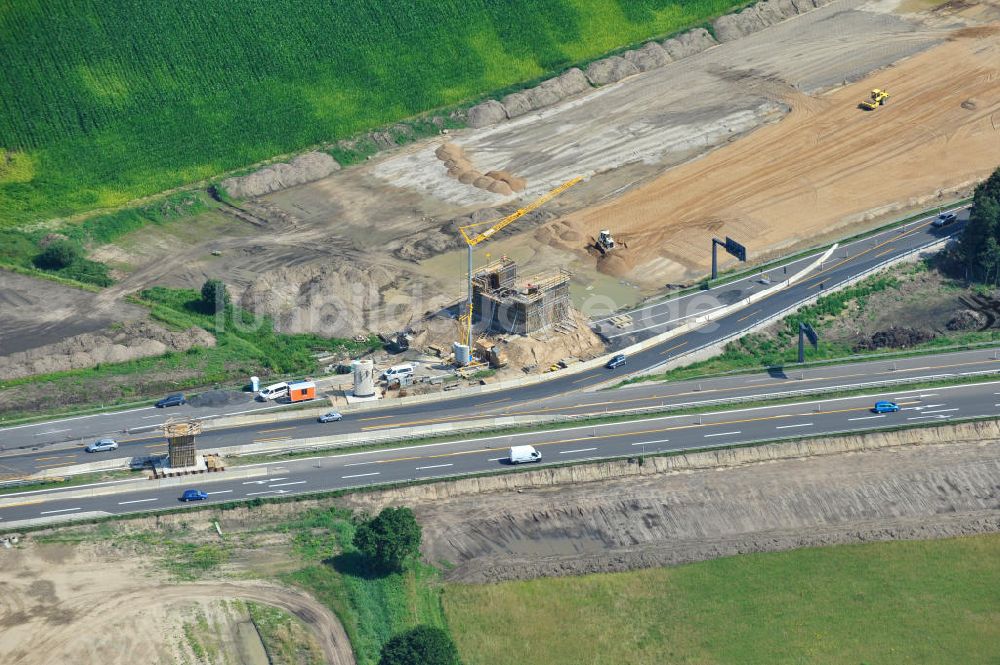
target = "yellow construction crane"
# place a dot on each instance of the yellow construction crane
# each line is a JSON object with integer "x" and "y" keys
{"x": 473, "y": 238}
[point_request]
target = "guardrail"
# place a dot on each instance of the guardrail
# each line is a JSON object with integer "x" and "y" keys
{"x": 792, "y": 308}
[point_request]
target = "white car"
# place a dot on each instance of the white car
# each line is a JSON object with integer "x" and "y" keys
{"x": 102, "y": 445}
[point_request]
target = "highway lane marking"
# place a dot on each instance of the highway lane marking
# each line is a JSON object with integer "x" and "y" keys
{"x": 265, "y": 492}
{"x": 790, "y": 426}
{"x": 155, "y": 415}
{"x": 361, "y": 475}
{"x": 297, "y": 482}
{"x": 66, "y": 420}
{"x": 939, "y": 411}
{"x": 675, "y": 346}
{"x": 63, "y": 510}
{"x": 923, "y": 417}
{"x": 360, "y": 463}
{"x": 265, "y": 481}
{"x": 219, "y": 492}
{"x": 868, "y": 417}
{"x": 748, "y": 315}
{"x": 723, "y": 434}
{"x": 586, "y": 378}
{"x": 760, "y": 384}
{"x": 42, "y": 459}
{"x": 497, "y": 459}
{"x": 581, "y": 450}
{"x": 916, "y": 228}
{"x": 592, "y": 437}
{"x": 276, "y": 438}
{"x": 433, "y": 466}
{"x": 888, "y": 251}
{"x": 55, "y": 431}
{"x": 125, "y": 503}
{"x": 496, "y": 401}
{"x": 277, "y": 429}
{"x": 648, "y": 443}
{"x": 378, "y": 417}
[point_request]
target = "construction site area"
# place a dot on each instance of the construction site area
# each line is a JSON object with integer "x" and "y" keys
{"x": 760, "y": 138}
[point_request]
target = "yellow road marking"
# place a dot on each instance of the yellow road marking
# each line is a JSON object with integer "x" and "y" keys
{"x": 586, "y": 378}
{"x": 42, "y": 459}
{"x": 748, "y": 315}
{"x": 496, "y": 401}
{"x": 675, "y": 346}
{"x": 870, "y": 249}
{"x": 23, "y": 503}
{"x": 376, "y": 418}
{"x": 274, "y": 438}
{"x": 888, "y": 251}
{"x": 278, "y": 429}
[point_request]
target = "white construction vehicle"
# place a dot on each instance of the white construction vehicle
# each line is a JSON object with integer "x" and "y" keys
{"x": 605, "y": 241}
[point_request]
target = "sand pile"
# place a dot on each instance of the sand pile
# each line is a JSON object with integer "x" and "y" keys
{"x": 304, "y": 168}
{"x": 460, "y": 168}
{"x": 543, "y": 350}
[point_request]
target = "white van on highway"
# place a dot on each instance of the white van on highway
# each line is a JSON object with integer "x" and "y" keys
{"x": 520, "y": 454}
{"x": 274, "y": 391}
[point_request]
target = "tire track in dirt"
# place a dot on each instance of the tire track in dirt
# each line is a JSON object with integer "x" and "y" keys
{"x": 75, "y": 626}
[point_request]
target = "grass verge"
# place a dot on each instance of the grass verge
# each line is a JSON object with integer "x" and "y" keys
{"x": 894, "y": 602}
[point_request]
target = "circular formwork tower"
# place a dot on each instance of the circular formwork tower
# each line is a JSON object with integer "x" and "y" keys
{"x": 181, "y": 442}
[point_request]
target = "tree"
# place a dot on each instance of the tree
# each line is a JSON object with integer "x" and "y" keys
{"x": 978, "y": 252}
{"x": 422, "y": 645}
{"x": 214, "y": 295}
{"x": 58, "y": 255}
{"x": 389, "y": 539}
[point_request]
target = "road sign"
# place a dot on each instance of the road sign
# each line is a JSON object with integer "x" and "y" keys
{"x": 736, "y": 249}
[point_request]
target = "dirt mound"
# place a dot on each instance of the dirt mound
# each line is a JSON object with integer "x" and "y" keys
{"x": 970, "y": 104}
{"x": 689, "y": 43}
{"x": 613, "y": 516}
{"x": 304, "y": 168}
{"x": 967, "y": 319}
{"x": 219, "y": 398}
{"x": 615, "y": 264}
{"x": 489, "y": 112}
{"x": 894, "y": 338}
{"x": 542, "y": 351}
{"x": 650, "y": 56}
{"x": 977, "y": 32}
{"x": 132, "y": 340}
{"x": 460, "y": 168}
{"x": 759, "y": 16}
{"x": 610, "y": 70}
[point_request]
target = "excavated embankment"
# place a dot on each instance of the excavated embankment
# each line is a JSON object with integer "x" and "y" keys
{"x": 913, "y": 484}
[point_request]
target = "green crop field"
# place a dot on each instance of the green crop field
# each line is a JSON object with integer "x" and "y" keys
{"x": 885, "y": 603}
{"x": 102, "y": 102}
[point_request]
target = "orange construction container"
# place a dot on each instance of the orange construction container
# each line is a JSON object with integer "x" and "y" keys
{"x": 300, "y": 392}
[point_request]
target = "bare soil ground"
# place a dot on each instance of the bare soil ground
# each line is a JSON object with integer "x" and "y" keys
{"x": 374, "y": 246}
{"x": 913, "y": 492}
{"x": 97, "y": 603}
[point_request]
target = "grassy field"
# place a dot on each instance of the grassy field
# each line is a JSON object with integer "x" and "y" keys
{"x": 892, "y": 603}
{"x": 102, "y": 103}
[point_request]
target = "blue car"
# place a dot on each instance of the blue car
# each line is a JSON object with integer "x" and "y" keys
{"x": 885, "y": 406}
{"x": 193, "y": 495}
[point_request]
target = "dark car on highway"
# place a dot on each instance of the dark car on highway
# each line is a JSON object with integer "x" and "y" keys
{"x": 193, "y": 495}
{"x": 944, "y": 219}
{"x": 616, "y": 362}
{"x": 171, "y": 400}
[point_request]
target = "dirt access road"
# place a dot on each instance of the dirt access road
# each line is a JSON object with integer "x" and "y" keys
{"x": 92, "y": 604}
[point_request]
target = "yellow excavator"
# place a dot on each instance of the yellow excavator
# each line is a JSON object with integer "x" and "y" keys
{"x": 878, "y": 98}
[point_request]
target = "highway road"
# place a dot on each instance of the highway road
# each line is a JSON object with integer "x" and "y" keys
{"x": 570, "y": 444}
{"x": 59, "y": 443}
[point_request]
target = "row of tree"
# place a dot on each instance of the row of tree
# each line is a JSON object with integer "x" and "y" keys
{"x": 389, "y": 541}
{"x": 977, "y": 256}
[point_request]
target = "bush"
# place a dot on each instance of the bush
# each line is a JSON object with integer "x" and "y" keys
{"x": 422, "y": 645}
{"x": 214, "y": 296}
{"x": 58, "y": 255}
{"x": 389, "y": 539}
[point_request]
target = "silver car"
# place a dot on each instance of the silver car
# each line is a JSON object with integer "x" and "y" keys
{"x": 102, "y": 445}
